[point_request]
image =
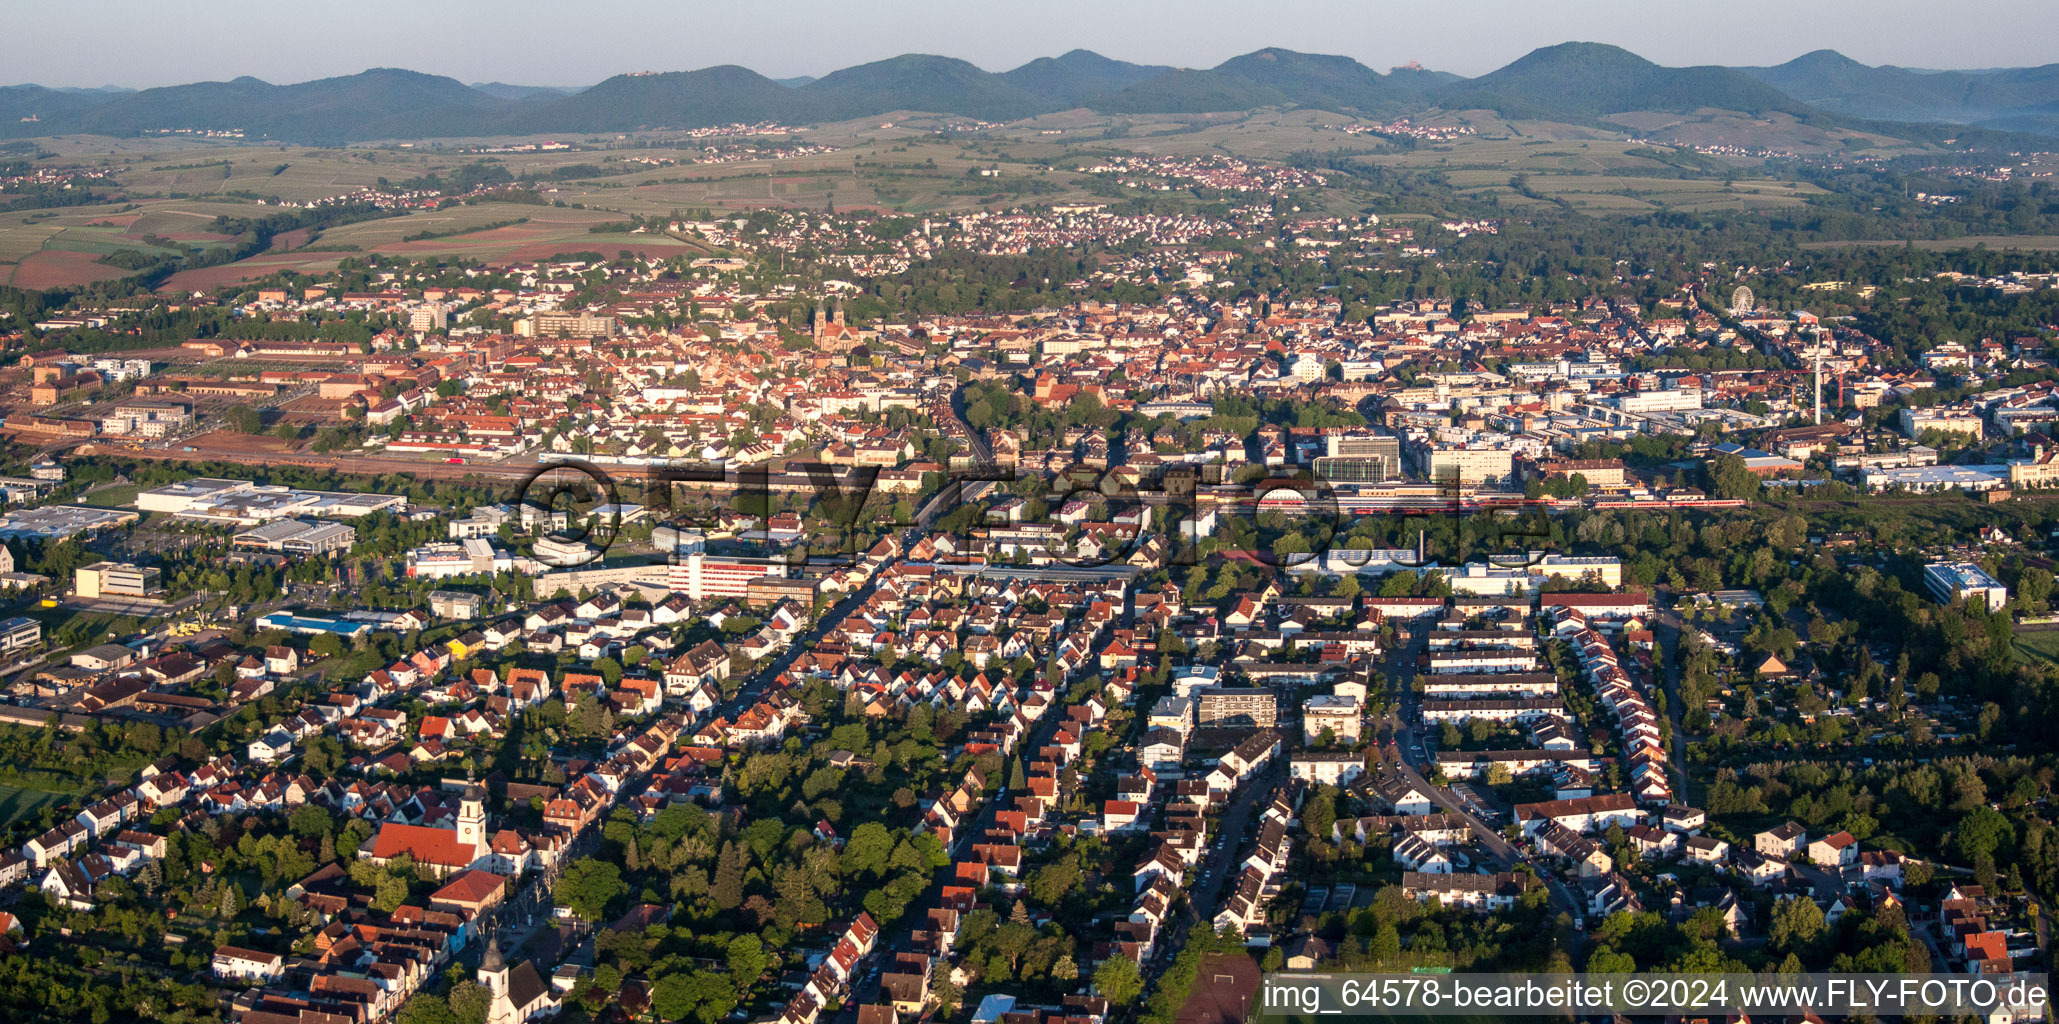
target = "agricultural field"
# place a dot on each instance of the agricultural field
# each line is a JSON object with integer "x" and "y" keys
{"x": 296, "y": 175}
{"x": 53, "y": 248}
{"x": 1618, "y": 194}
{"x": 908, "y": 163}
{"x": 490, "y": 232}
{"x": 1773, "y": 132}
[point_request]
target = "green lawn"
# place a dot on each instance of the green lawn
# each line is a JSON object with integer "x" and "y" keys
{"x": 17, "y": 803}
{"x": 118, "y": 496}
{"x": 2038, "y": 645}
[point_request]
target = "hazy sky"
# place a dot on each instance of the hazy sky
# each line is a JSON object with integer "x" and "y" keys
{"x": 142, "y": 43}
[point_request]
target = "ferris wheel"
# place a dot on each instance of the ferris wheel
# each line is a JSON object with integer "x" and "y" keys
{"x": 1741, "y": 300}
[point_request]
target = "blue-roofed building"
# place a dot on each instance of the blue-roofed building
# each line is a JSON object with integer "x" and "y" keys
{"x": 1965, "y": 581}
{"x": 314, "y": 625}
{"x": 992, "y": 1008}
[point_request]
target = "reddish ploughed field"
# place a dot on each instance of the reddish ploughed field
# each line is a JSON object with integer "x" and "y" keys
{"x": 52, "y": 268}
{"x": 279, "y": 258}
{"x": 207, "y": 278}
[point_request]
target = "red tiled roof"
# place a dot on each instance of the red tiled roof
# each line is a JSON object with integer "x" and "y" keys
{"x": 471, "y": 887}
{"x": 1987, "y": 946}
{"x": 437, "y": 846}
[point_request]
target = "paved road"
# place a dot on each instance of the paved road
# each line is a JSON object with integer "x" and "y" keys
{"x": 957, "y": 493}
{"x": 978, "y": 444}
{"x": 755, "y": 687}
{"x": 1412, "y": 759}
{"x": 866, "y": 990}
{"x": 531, "y": 907}
{"x": 1668, "y": 635}
{"x": 1217, "y": 866}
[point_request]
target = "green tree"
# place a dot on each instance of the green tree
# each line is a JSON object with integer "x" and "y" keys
{"x": 309, "y": 821}
{"x": 588, "y": 886}
{"x": 747, "y": 959}
{"x": 1319, "y": 813}
{"x": 390, "y": 892}
{"x": 426, "y": 1008}
{"x": 1795, "y": 926}
{"x": 1118, "y": 981}
{"x": 703, "y": 996}
{"x": 1730, "y": 478}
{"x": 1983, "y": 832}
{"x": 867, "y": 850}
{"x": 470, "y": 1002}
{"x": 727, "y": 890}
{"x": 1048, "y": 885}
{"x": 1386, "y": 947}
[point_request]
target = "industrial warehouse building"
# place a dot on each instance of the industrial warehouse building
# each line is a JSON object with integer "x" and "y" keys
{"x": 298, "y": 537}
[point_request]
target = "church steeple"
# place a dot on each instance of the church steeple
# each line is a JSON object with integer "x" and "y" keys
{"x": 472, "y": 819}
{"x": 493, "y": 971}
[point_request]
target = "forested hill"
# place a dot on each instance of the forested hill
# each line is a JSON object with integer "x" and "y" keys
{"x": 1572, "y": 82}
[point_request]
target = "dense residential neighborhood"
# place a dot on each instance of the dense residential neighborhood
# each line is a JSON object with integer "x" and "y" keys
{"x": 1060, "y": 546}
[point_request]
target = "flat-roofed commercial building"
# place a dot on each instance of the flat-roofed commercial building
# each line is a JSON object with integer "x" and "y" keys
{"x": 1944, "y": 421}
{"x": 1939, "y": 478}
{"x": 146, "y": 419}
{"x": 17, "y": 633}
{"x": 1606, "y": 474}
{"x": 118, "y": 579}
{"x": 454, "y": 604}
{"x": 1668, "y": 400}
{"x": 245, "y": 503}
{"x": 1469, "y": 464}
{"x": 1359, "y": 459}
{"x": 702, "y": 576}
{"x": 1964, "y": 581}
{"x": 298, "y": 537}
{"x": 56, "y": 522}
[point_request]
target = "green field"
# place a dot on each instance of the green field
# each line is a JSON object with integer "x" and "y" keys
{"x": 17, "y": 803}
{"x": 2038, "y": 645}
{"x": 119, "y": 496}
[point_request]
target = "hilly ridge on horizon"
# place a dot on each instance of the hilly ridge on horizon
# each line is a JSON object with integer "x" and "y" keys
{"x": 1576, "y": 82}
